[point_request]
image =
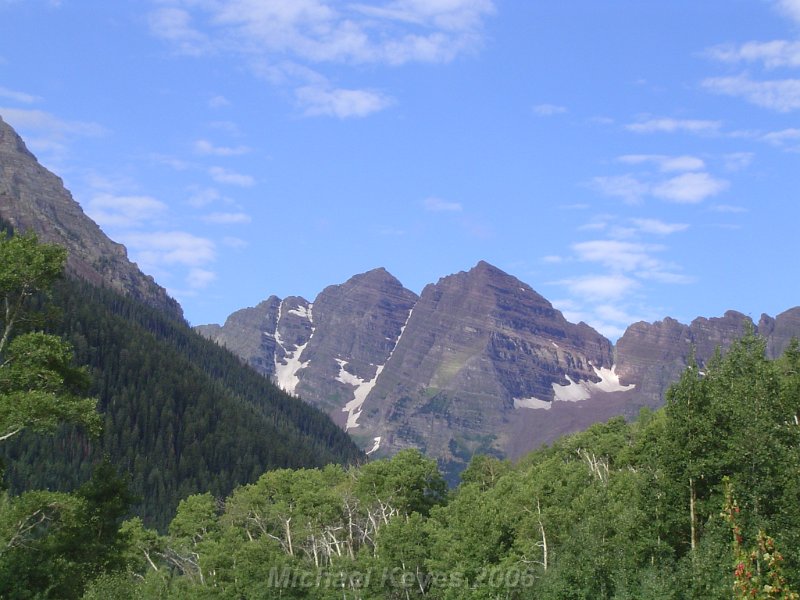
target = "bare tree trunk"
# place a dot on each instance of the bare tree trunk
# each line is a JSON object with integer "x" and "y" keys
{"x": 692, "y": 515}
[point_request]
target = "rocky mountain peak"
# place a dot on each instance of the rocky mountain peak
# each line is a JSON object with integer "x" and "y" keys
{"x": 34, "y": 199}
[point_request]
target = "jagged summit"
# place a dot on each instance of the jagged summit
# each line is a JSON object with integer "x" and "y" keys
{"x": 34, "y": 199}
{"x": 479, "y": 362}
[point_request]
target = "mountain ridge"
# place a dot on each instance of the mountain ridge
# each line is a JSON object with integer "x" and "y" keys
{"x": 481, "y": 362}
{"x": 32, "y": 198}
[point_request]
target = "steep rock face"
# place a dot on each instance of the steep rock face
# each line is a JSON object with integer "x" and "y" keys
{"x": 243, "y": 334}
{"x": 653, "y": 355}
{"x": 34, "y": 199}
{"x": 357, "y": 325}
{"x": 780, "y": 330}
{"x": 479, "y": 348}
{"x": 478, "y": 363}
{"x": 329, "y": 352}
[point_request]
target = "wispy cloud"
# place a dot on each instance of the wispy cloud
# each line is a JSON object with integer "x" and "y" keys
{"x": 549, "y": 110}
{"x": 669, "y": 125}
{"x": 619, "y": 256}
{"x": 109, "y": 210}
{"x": 785, "y": 138}
{"x": 686, "y": 188}
{"x": 627, "y": 187}
{"x": 781, "y": 95}
{"x": 728, "y": 208}
{"x": 207, "y": 148}
{"x": 658, "y": 227}
{"x": 203, "y": 196}
{"x": 600, "y": 287}
{"x": 218, "y": 102}
{"x": 237, "y": 218}
{"x": 689, "y": 188}
{"x": 736, "y": 161}
{"x": 665, "y": 163}
{"x": 41, "y": 121}
{"x": 290, "y": 42}
{"x": 21, "y": 97}
{"x": 228, "y": 177}
{"x": 341, "y": 103}
{"x": 772, "y": 54}
{"x": 434, "y": 204}
{"x": 175, "y": 25}
{"x": 791, "y": 8}
{"x": 198, "y": 279}
{"x": 171, "y": 248}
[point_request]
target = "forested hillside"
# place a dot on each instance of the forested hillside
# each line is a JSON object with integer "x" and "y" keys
{"x": 700, "y": 499}
{"x": 180, "y": 414}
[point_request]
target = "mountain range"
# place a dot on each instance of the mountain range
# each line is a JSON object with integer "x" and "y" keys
{"x": 180, "y": 414}
{"x": 477, "y": 363}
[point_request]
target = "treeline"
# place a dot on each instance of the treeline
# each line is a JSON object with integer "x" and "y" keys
{"x": 180, "y": 415}
{"x": 700, "y": 499}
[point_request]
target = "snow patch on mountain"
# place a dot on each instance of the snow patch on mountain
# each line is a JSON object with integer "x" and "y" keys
{"x": 303, "y": 311}
{"x": 360, "y": 393}
{"x": 362, "y": 387}
{"x": 286, "y": 370}
{"x": 375, "y": 446}
{"x": 532, "y": 403}
{"x": 576, "y": 391}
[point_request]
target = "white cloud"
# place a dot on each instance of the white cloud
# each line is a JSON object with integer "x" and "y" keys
{"x": 175, "y": 26}
{"x": 203, "y": 197}
{"x": 340, "y": 103}
{"x": 791, "y": 8}
{"x": 227, "y": 218}
{"x": 782, "y": 95}
{"x": 657, "y": 227}
{"x": 218, "y": 102}
{"x": 173, "y": 162}
{"x": 665, "y": 163}
{"x": 736, "y": 161}
{"x": 627, "y": 187}
{"x": 667, "y": 125}
{"x": 600, "y": 287}
{"x": 207, "y": 148}
{"x": 200, "y": 278}
{"x": 285, "y": 42}
{"x": 21, "y": 97}
{"x": 549, "y": 110}
{"x": 110, "y": 210}
{"x": 783, "y": 137}
{"x": 39, "y": 120}
{"x": 234, "y": 242}
{"x": 226, "y": 176}
{"x": 689, "y": 188}
{"x": 728, "y": 208}
{"x": 171, "y": 248}
{"x": 618, "y": 255}
{"x": 433, "y": 204}
{"x": 776, "y": 53}
{"x": 325, "y": 31}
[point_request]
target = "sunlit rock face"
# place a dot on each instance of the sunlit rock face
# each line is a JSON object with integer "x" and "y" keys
{"x": 478, "y": 363}
{"x": 34, "y": 199}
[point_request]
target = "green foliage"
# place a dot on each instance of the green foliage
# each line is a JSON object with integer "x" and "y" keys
{"x": 621, "y": 510}
{"x": 39, "y": 386}
{"x": 54, "y": 543}
{"x": 180, "y": 414}
{"x": 600, "y": 514}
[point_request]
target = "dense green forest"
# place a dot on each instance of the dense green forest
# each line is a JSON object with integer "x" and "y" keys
{"x": 179, "y": 414}
{"x": 700, "y": 499}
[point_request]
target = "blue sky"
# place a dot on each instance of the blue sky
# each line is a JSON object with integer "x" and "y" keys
{"x": 629, "y": 160}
